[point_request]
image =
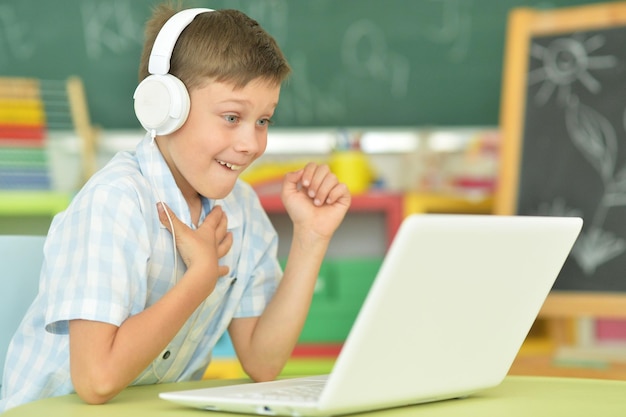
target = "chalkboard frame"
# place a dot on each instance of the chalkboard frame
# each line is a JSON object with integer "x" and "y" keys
{"x": 524, "y": 24}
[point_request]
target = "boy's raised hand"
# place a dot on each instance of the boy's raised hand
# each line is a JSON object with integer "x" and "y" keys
{"x": 315, "y": 199}
{"x": 203, "y": 247}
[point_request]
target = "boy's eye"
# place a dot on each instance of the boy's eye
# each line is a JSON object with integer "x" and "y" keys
{"x": 265, "y": 122}
{"x": 230, "y": 118}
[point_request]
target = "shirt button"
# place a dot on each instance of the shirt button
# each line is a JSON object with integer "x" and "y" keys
{"x": 166, "y": 354}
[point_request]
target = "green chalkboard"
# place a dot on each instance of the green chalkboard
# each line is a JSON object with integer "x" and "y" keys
{"x": 356, "y": 62}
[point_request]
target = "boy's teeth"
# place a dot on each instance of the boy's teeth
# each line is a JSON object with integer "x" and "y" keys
{"x": 229, "y": 165}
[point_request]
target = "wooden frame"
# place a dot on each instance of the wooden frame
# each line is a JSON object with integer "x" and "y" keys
{"x": 523, "y": 24}
{"x": 82, "y": 125}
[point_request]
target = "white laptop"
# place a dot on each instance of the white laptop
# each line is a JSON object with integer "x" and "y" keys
{"x": 445, "y": 317}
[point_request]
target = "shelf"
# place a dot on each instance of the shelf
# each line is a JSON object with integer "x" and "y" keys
{"x": 447, "y": 203}
{"x": 390, "y": 204}
{"x": 33, "y": 203}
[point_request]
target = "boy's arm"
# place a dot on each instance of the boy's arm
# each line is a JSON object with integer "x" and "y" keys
{"x": 105, "y": 359}
{"x": 316, "y": 203}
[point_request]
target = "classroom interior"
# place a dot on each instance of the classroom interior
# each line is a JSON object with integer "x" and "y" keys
{"x": 422, "y": 109}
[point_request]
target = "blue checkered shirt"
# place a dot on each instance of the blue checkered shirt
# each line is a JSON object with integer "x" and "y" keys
{"x": 107, "y": 257}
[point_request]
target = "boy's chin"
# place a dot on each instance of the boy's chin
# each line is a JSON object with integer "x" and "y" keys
{"x": 218, "y": 194}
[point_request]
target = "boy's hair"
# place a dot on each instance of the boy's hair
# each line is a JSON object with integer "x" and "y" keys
{"x": 224, "y": 45}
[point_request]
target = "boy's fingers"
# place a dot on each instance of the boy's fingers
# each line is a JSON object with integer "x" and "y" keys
{"x": 167, "y": 216}
{"x": 214, "y": 219}
{"x": 222, "y": 270}
{"x": 225, "y": 245}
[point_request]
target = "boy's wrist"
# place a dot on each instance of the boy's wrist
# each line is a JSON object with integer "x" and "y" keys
{"x": 200, "y": 284}
{"x": 310, "y": 240}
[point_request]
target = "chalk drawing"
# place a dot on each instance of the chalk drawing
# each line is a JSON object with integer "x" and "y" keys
{"x": 565, "y": 61}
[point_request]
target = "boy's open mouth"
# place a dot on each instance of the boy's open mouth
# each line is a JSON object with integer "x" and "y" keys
{"x": 230, "y": 166}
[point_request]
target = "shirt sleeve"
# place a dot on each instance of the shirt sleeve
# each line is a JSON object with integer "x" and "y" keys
{"x": 96, "y": 257}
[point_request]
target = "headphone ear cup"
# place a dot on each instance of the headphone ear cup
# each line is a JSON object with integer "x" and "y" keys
{"x": 161, "y": 103}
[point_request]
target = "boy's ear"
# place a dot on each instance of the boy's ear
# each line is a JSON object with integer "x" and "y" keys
{"x": 161, "y": 99}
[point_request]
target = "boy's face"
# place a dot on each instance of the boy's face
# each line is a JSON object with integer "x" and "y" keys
{"x": 225, "y": 132}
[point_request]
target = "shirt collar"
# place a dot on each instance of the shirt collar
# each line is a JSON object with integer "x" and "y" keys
{"x": 156, "y": 171}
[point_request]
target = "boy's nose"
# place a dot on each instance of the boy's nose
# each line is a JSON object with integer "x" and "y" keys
{"x": 249, "y": 141}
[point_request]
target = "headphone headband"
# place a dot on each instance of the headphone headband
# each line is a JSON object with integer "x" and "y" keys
{"x": 161, "y": 100}
{"x": 161, "y": 54}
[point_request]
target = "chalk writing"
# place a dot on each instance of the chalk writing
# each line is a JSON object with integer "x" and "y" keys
{"x": 454, "y": 28}
{"x": 15, "y": 41}
{"x": 365, "y": 53}
{"x": 368, "y": 62}
{"x": 109, "y": 27}
{"x": 305, "y": 102}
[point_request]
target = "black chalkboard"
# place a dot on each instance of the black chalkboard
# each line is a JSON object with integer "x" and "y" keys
{"x": 574, "y": 152}
{"x": 564, "y": 140}
{"x": 356, "y": 62}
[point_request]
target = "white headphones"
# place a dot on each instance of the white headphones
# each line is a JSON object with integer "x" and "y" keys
{"x": 161, "y": 99}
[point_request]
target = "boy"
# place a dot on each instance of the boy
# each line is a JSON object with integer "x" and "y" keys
{"x": 164, "y": 249}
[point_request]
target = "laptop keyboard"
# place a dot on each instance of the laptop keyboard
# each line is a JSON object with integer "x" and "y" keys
{"x": 304, "y": 392}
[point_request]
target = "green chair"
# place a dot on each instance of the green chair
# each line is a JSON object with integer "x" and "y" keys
{"x": 21, "y": 258}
